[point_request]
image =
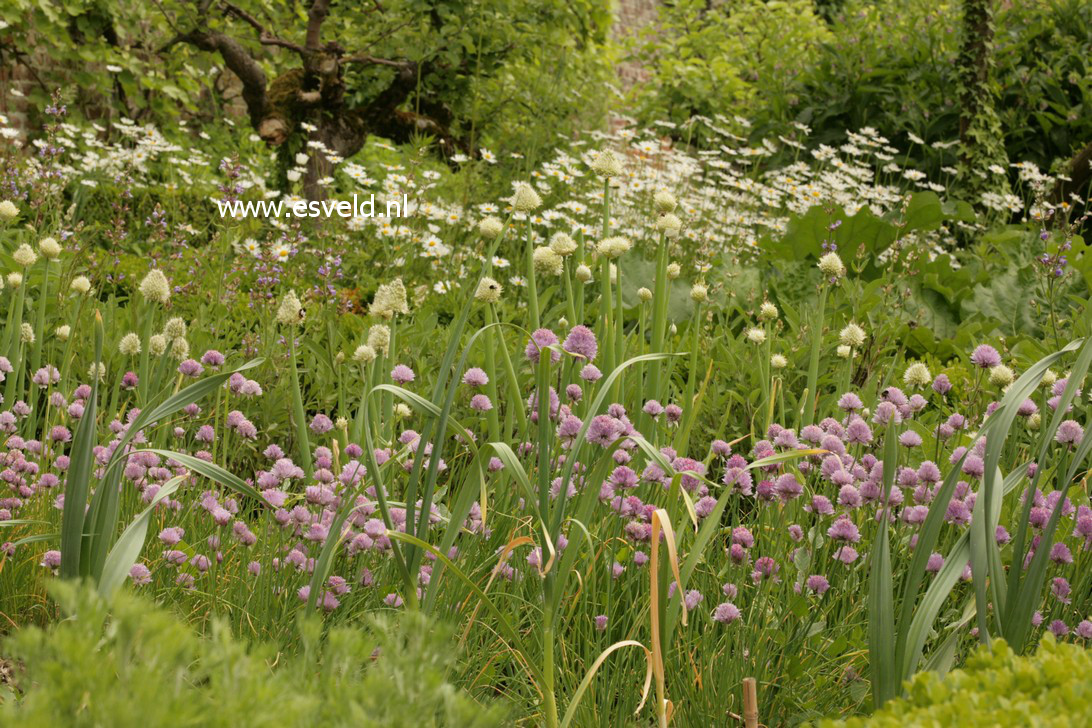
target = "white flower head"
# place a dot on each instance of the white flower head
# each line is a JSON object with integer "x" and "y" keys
{"x": 290, "y": 311}
{"x": 155, "y": 287}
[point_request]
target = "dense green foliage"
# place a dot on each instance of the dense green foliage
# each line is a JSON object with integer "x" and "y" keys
{"x": 127, "y": 662}
{"x": 996, "y": 687}
{"x": 768, "y": 367}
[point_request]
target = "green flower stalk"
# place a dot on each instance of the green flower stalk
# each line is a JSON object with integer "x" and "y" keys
{"x": 290, "y": 316}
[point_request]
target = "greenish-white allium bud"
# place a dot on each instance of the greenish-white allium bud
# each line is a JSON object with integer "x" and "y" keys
{"x": 364, "y": 354}
{"x": 96, "y": 372}
{"x": 669, "y": 224}
{"x": 614, "y": 247}
{"x": 699, "y": 293}
{"x": 1050, "y": 377}
{"x": 390, "y": 299}
{"x": 63, "y": 332}
{"x": 607, "y": 164}
{"x": 379, "y": 338}
{"x": 831, "y": 266}
{"x": 8, "y": 210}
{"x": 777, "y": 361}
{"x": 563, "y": 322}
{"x": 157, "y": 345}
{"x": 664, "y": 201}
{"x": 341, "y": 423}
{"x": 562, "y": 244}
{"x": 525, "y": 198}
{"x": 755, "y": 335}
{"x": 129, "y": 345}
{"x": 767, "y": 311}
{"x": 852, "y": 336}
{"x": 50, "y": 248}
{"x": 1034, "y": 421}
{"x": 82, "y": 285}
{"x": 644, "y": 294}
{"x": 1001, "y": 376}
{"x": 290, "y": 312}
{"x": 402, "y": 411}
{"x": 175, "y": 328}
{"x": 844, "y": 352}
{"x": 25, "y": 256}
{"x": 583, "y": 273}
{"x": 180, "y": 349}
{"x": 917, "y": 375}
{"x": 489, "y": 290}
{"x": 26, "y": 334}
{"x": 546, "y": 260}
{"x": 155, "y": 287}
{"x": 15, "y": 279}
{"x": 490, "y": 228}
{"x": 674, "y": 270}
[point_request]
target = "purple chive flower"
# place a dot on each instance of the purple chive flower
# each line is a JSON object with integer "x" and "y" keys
{"x": 581, "y": 341}
{"x": 910, "y": 439}
{"x": 941, "y": 385}
{"x": 402, "y": 374}
{"x": 212, "y": 358}
{"x": 653, "y": 408}
{"x": 1059, "y": 628}
{"x": 591, "y": 373}
{"x": 673, "y": 412}
{"x": 539, "y": 340}
{"x": 985, "y": 357}
{"x": 1069, "y": 433}
{"x": 788, "y": 487}
{"x": 817, "y": 583}
{"x": 190, "y": 368}
{"x": 726, "y": 613}
{"x": 475, "y": 377}
{"x": 692, "y": 599}
{"x": 603, "y": 430}
{"x": 140, "y": 575}
{"x": 1060, "y": 554}
{"x": 844, "y": 530}
{"x": 1084, "y": 629}
{"x": 600, "y": 623}
{"x": 935, "y": 562}
{"x": 480, "y": 403}
{"x": 51, "y": 559}
{"x": 850, "y": 402}
{"x": 1060, "y": 589}
{"x": 846, "y": 554}
{"x": 321, "y": 424}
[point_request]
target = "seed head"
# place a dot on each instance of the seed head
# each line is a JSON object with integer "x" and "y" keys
{"x": 25, "y": 256}
{"x": 82, "y": 285}
{"x": 664, "y": 201}
{"x": 489, "y": 291}
{"x": 50, "y": 248}
{"x": 490, "y": 228}
{"x": 290, "y": 312}
{"x": 129, "y": 345}
{"x": 607, "y": 164}
{"x": 155, "y": 287}
{"x": 525, "y": 198}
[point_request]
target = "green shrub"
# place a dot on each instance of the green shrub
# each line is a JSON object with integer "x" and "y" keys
{"x": 997, "y": 687}
{"x": 130, "y": 663}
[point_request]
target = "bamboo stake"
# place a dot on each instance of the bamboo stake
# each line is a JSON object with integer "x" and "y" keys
{"x": 750, "y": 703}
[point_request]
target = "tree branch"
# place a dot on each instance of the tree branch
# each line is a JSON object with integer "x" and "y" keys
{"x": 315, "y": 18}
{"x": 264, "y": 36}
{"x": 241, "y": 63}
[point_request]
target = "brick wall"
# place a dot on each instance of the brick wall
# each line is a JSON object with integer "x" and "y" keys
{"x": 630, "y": 19}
